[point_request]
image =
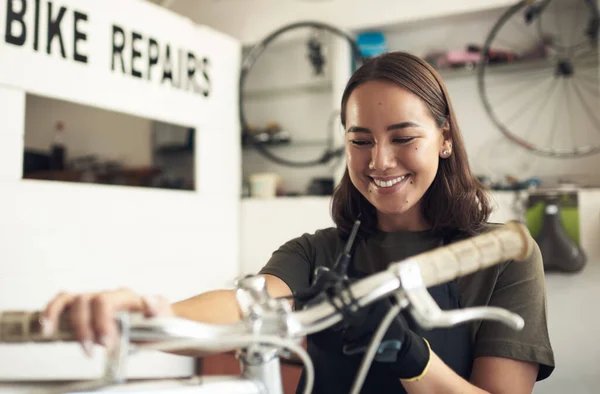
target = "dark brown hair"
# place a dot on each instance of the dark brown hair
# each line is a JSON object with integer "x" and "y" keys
{"x": 456, "y": 200}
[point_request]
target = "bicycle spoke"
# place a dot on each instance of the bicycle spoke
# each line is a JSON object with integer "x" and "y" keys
{"x": 583, "y": 52}
{"x": 588, "y": 126}
{"x": 523, "y": 109}
{"x": 570, "y": 112}
{"x": 537, "y": 116}
{"x": 526, "y": 73}
{"x": 590, "y": 57}
{"x": 511, "y": 95}
{"x": 554, "y": 127}
{"x": 593, "y": 89}
{"x": 589, "y": 78}
{"x": 523, "y": 75}
{"x": 586, "y": 107}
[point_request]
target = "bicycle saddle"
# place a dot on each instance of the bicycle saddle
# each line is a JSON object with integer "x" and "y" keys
{"x": 559, "y": 251}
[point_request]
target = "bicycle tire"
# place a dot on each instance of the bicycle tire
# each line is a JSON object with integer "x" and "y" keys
{"x": 482, "y": 69}
{"x": 247, "y": 64}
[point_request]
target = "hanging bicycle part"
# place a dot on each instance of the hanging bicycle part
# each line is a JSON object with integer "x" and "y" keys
{"x": 538, "y": 77}
{"x": 317, "y": 60}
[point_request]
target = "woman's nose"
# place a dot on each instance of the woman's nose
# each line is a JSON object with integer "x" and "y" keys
{"x": 382, "y": 157}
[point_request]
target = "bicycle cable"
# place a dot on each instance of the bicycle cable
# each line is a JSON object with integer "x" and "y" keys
{"x": 373, "y": 347}
{"x": 243, "y": 341}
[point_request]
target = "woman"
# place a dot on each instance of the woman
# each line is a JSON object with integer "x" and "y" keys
{"x": 409, "y": 181}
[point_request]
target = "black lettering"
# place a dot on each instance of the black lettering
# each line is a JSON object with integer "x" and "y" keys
{"x": 36, "y": 26}
{"x": 205, "y": 66}
{"x": 135, "y": 37}
{"x": 79, "y": 36}
{"x": 167, "y": 66}
{"x": 191, "y": 71}
{"x": 117, "y": 49}
{"x": 152, "y": 55}
{"x": 13, "y": 16}
{"x": 54, "y": 29}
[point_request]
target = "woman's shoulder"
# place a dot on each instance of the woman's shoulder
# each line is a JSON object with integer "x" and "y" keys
{"x": 320, "y": 237}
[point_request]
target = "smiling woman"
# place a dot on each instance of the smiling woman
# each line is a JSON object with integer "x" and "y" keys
{"x": 407, "y": 166}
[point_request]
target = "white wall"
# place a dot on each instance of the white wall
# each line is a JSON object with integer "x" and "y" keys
{"x": 84, "y": 237}
{"x": 253, "y": 20}
{"x": 108, "y": 135}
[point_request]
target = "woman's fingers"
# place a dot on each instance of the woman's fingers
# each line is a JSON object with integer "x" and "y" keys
{"x": 104, "y": 309}
{"x": 53, "y": 311}
{"x": 81, "y": 319}
{"x": 93, "y": 315}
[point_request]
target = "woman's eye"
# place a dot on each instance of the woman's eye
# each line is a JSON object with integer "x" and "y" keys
{"x": 360, "y": 142}
{"x": 403, "y": 140}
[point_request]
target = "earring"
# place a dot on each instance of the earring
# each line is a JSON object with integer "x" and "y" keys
{"x": 446, "y": 152}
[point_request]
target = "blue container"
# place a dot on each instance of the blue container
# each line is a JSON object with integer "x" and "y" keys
{"x": 371, "y": 44}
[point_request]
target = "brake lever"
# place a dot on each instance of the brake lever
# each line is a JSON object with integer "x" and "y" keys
{"x": 428, "y": 314}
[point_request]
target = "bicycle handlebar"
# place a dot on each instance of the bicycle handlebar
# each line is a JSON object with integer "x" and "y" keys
{"x": 511, "y": 241}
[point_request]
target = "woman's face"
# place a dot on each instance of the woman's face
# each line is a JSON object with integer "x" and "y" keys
{"x": 393, "y": 147}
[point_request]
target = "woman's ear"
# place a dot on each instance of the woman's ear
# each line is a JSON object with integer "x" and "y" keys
{"x": 446, "y": 148}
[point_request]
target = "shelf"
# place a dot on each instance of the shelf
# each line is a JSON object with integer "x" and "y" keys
{"x": 293, "y": 144}
{"x": 320, "y": 86}
{"x": 515, "y": 67}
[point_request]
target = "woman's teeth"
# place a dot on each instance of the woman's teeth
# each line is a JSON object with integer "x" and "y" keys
{"x": 389, "y": 183}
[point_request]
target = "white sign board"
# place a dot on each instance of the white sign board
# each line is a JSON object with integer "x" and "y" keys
{"x": 136, "y": 58}
{"x": 128, "y": 56}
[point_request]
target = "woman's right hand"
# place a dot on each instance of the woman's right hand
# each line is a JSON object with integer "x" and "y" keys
{"x": 93, "y": 315}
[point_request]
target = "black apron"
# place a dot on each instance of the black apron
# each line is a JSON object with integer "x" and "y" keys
{"x": 335, "y": 372}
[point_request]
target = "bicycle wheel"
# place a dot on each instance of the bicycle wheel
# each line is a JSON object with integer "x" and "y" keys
{"x": 538, "y": 77}
{"x": 316, "y": 36}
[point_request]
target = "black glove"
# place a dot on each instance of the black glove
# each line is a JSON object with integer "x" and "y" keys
{"x": 406, "y": 353}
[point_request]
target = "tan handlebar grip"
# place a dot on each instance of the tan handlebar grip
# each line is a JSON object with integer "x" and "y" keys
{"x": 512, "y": 241}
{"x": 25, "y": 326}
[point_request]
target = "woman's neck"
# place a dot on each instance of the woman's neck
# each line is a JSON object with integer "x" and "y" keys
{"x": 411, "y": 220}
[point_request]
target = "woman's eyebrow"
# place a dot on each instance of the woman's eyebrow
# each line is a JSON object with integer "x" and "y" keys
{"x": 395, "y": 126}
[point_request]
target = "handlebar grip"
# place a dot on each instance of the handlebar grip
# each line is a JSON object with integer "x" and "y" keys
{"x": 512, "y": 241}
{"x": 25, "y": 326}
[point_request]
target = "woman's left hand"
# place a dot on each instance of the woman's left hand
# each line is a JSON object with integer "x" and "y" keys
{"x": 406, "y": 353}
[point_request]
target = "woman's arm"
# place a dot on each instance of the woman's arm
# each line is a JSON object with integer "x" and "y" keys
{"x": 493, "y": 375}
{"x": 220, "y": 306}
{"x": 93, "y": 315}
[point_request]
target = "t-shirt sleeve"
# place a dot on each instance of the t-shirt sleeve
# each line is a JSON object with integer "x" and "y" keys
{"x": 293, "y": 263}
{"x": 520, "y": 288}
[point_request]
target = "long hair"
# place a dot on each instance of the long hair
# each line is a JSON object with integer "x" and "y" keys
{"x": 456, "y": 200}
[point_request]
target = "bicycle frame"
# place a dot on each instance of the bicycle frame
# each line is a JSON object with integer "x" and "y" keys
{"x": 269, "y": 325}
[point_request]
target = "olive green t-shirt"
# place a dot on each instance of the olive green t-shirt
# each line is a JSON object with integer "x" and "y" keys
{"x": 518, "y": 286}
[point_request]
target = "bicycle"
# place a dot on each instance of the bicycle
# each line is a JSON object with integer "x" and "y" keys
{"x": 269, "y": 328}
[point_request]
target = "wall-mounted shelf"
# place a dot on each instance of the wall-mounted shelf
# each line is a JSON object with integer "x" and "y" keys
{"x": 292, "y": 144}
{"x": 316, "y": 86}
{"x": 506, "y": 68}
